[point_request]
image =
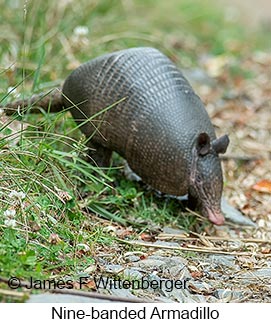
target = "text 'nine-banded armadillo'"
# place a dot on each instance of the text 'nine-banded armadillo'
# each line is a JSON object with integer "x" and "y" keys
{"x": 159, "y": 126}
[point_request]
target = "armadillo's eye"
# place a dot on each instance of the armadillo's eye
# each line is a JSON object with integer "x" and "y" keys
{"x": 198, "y": 179}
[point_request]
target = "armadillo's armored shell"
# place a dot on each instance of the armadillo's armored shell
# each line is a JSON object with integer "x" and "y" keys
{"x": 155, "y": 126}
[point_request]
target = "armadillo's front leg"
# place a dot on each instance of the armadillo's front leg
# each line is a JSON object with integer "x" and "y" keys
{"x": 99, "y": 155}
{"x": 192, "y": 202}
{"x": 129, "y": 174}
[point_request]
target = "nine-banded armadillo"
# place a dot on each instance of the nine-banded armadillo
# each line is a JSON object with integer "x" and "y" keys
{"x": 160, "y": 127}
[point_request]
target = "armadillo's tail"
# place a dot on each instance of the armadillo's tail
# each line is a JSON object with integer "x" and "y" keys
{"x": 50, "y": 102}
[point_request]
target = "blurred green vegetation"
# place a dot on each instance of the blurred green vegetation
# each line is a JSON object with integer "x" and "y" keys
{"x": 41, "y": 38}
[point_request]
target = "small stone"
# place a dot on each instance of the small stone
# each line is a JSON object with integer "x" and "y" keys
{"x": 122, "y": 292}
{"x": 113, "y": 269}
{"x": 174, "y": 231}
{"x": 224, "y": 261}
{"x": 263, "y": 273}
{"x": 200, "y": 287}
{"x": 184, "y": 296}
{"x": 148, "y": 264}
{"x": 179, "y": 272}
{"x": 234, "y": 215}
{"x": 167, "y": 243}
{"x": 131, "y": 273}
{"x": 154, "y": 277}
{"x": 211, "y": 299}
{"x": 163, "y": 299}
{"x": 227, "y": 295}
{"x": 132, "y": 258}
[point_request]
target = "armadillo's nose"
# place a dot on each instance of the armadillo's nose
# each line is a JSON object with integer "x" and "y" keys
{"x": 215, "y": 216}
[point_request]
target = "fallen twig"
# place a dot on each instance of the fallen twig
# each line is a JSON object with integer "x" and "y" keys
{"x": 170, "y": 236}
{"x": 179, "y": 248}
{"x": 245, "y": 159}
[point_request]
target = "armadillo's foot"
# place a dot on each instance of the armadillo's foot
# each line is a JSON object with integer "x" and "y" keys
{"x": 129, "y": 174}
{"x": 99, "y": 155}
{"x": 178, "y": 198}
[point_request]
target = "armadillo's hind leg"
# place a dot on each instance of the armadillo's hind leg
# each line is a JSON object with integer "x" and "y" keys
{"x": 129, "y": 174}
{"x": 99, "y": 155}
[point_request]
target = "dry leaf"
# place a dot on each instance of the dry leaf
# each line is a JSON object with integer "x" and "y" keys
{"x": 263, "y": 186}
{"x": 124, "y": 233}
{"x": 196, "y": 274}
{"x": 266, "y": 250}
{"x": 54, "y": 238}
{"x": 147, "y": 237}
{"x": 91, "y": 285}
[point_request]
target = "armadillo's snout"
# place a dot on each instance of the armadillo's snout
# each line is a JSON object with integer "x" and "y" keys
{"x": 215, "y": 216}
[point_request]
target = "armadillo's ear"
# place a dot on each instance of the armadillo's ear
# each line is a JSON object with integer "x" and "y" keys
{"x": 203, "y": 144}
{"x": 220, "y": 144}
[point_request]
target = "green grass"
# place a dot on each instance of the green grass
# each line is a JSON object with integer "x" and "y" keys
{"x": 66, "y": 199}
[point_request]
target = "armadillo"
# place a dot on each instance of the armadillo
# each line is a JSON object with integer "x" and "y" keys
{"x": 155, "y": 121}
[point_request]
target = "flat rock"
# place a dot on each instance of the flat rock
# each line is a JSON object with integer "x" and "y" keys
{"x": 262, "y": 273}
{"x": 200, "y": 287}
{"x": 173, "y": 267}
{"x": 234, "y": 215}
{"x": 132, "y": 273}
{"x": 150, "y": 263}
{"x": 113, "y": 269}
{"x": 224, "y": 261}
{"x": 132, "y": 258}
{"x": 121, "y": 292}
{"x": 169, "y": 230}
{"x": 227, "y": 295}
